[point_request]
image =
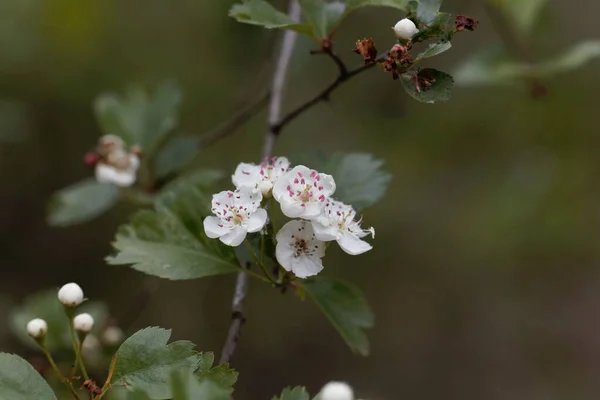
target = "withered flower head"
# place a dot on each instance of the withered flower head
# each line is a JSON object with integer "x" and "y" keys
{"x": 463, "y": 22}
{"x": 366, "y": 48}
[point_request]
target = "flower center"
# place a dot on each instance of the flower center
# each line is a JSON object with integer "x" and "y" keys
{"x": 306, "y": 189}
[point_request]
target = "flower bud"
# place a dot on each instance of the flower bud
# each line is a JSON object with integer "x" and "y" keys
{"x": 405, "y": 29}
{"x": 112, "y": 336}
{"x": 337, "y": 391}
{"x": 37, "y": 328}
{"x": 70, "y": 295}
{"x": 83, "y": 323}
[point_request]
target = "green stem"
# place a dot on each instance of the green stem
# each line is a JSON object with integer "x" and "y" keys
{"x": 79, "y": 356}
{"x": 77, "y": 345}
{"x": 62, "y": 378}
{"x": 260, "y": 263}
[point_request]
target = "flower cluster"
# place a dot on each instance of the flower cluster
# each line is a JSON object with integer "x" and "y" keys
{"x": 113, "y": 162}
{"x": 304, "y": 195}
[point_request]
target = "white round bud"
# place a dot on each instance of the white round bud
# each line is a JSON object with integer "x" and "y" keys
{"x": 37, "y": 328}
{"x": 337, "y": 391}
{"x": 83, "y": 323}
{"x": 113, "y": 335}
{"x": 405, "y": 29}
{"x": 265, "y": 187}
{"x": 70, "y": 295}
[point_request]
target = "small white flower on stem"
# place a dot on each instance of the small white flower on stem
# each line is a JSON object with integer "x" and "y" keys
{"x": 298, "y": 250}
{"x": 237, "y": 213}
{"x": 70, "y": 295}
{"x": 261, "y": 177}
{"x": 83, "y": 323}
{"x": 337, "y": 391}
{"x": 37, "y": 328}
{"x": 337, "y": 223}
{"x": 302, "y": 192}
{"x": 119, "y": 168}
{"x": 405, "y": 29}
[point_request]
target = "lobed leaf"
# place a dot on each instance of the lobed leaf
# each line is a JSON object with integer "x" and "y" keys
{"x": 170, "y": 242}
{"x": 346, "y": 308}
{"x": 81, "y": 202}
{"x": 20, "y": 381}
{"x": 146, "y": 362}
{"x": 222, "y": 375}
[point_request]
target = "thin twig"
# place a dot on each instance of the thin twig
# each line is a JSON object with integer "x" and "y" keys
{"x": 277, "y": 86}
{"x": 338, "y": 61}
{"x": 322, "y": 96}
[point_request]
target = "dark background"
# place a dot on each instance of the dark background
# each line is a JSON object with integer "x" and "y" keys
{"x": 484, "y": 277}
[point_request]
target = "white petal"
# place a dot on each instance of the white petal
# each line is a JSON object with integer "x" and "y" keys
{"x": 291, "y": 209}
{"x": 325, "y": 233}
{"x": 235, "y": 237}
{"x": 328, "y": 184}
{"x": 305, "y": 266}
{"x": 257, "y": 220}
{"x": 292, "y": 228}
{"x": 353, "y": 245}
{"x": 248, "y": 197}
{"x": 106, "y": 173}
{"x": 134, "y": 162}
{"x": 219, "y": 200}
{"x": 246, "y": 175}
{"x": 214, "y": 228}
{"x": 284, "y": 253}
{"x": 312, "y": 210}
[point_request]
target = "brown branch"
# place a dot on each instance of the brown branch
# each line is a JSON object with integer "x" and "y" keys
{"x": 277, "y": 86}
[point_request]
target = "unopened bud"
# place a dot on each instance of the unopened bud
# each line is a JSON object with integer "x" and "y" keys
{"x": 337, "y": 391}
{"x": 405, "y": 29}
{"x": 83, "y": 323}
{"x": 70, "y": 295}
{"x": 37, "y": 328}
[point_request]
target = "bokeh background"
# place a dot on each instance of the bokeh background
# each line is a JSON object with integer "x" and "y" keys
{"x": 485, "y": 276}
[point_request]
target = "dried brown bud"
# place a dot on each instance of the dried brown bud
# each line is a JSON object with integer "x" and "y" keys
{"x": 91, "y": 159}
{"x": 390, "y": 65}
{"x": 91, "y": 387}
{"x": 366, "y": 48}
{"x": 397, "y": 51}
{"x": 463, "y": 22}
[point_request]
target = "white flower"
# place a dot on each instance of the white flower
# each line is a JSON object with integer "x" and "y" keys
{"x": 298, "y": 250}
{"x": 302, "y": 192}
{"x": 237, "y": 213}
{"x": 405, "y": 29}
{"x": 70, "y": 295}
{"x": 337, "y": 223}
{"x": 119, "y": 168}
{"x": 37, "y": 328}
{"x": 83, "y": 323}
{"x": 109, "y": 143}
{"x": 336, "y": 391}
{"x": 261, "y": 177}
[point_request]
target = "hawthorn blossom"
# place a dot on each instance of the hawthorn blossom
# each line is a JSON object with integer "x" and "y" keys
{"x": 405, "y": 29}
{"x": 336, "y": 391}
{"x": 83, "y": 322}
{"x": 261, "y": 177}
{"x": 298, "y": 250}
{"x": 37, "y": 328}
{"x": 237, "y": 213}
{"x": 118, "y": 167}
{"x": 337, "y": 223}
{"x": 302, "y": 192}
{"x": 71, "y": 295}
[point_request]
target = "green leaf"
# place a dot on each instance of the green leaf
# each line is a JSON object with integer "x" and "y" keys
{"x": 358, "y": 176}
{"x": 170, "y": 242}
{"x": 222, "y": 375}
{"x": 259, "y": 12}
{"x": 81, "y": 202}
{"x": 322, "y": 16}
{"x": 441, "y": 27}
{"x": 45, "y": 305}
{"x": 346, "y": 308}
{"x": 352, "y": 5}
{"x": 19, "y": 381}
{"x": 297, "y": 393}
{"x": 571, "y": 59}
{"x": 187, "y": 387}
{"x": 145, "y": 361}
{"x": 434, "y": 49}
{"x": 177, "y": 153}
{"x": 137, "y": 117}
{"x": 428, "y": 85}
{"x": 427, "y": 11}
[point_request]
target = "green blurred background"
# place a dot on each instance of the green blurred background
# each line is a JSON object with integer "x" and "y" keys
{"x": 484, "y": 277}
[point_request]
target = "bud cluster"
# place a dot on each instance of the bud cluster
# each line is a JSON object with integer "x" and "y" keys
{"x": 114, "y": 162}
